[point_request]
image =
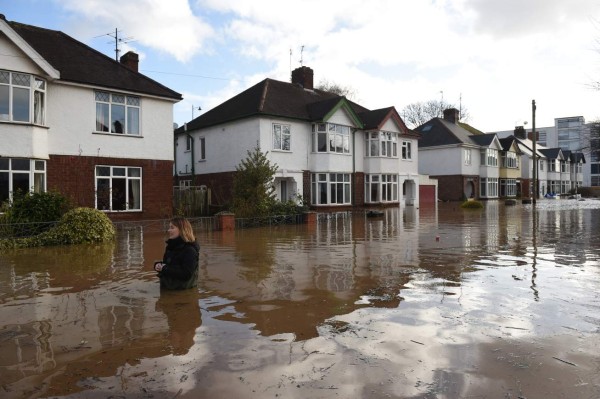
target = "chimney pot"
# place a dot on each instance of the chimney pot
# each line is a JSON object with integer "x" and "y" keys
{"x": 131, "y": 60}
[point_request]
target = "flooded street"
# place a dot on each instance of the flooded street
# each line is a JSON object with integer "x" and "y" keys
{"x": 439, "y": 302}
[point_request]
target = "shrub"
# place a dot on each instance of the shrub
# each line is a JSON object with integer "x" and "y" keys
{"x": 472, "y": 205}
{"x": 30, "y": 213}
{"x": 77, "y": 226}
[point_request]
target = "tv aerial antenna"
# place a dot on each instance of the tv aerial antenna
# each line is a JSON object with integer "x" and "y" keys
{"x": 118, "y": 40}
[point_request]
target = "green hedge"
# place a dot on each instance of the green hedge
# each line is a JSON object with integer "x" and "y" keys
{"x": 77, "y": 226}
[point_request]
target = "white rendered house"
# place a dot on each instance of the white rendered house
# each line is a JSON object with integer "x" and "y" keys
{"x": 76, "y": 121}
{"x": 330, "y": 152}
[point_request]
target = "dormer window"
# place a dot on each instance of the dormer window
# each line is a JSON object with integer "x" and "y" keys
{"x": 22, "y": 98}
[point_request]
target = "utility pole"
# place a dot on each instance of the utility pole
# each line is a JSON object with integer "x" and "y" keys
{"x": 534, "y": 139}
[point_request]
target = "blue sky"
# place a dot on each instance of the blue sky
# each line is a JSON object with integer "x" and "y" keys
{"x": 495, "y": 55}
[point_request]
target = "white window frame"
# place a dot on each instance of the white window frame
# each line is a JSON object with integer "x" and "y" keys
{"x": 115, "y": 174}
{"x": 130, "y": 125}
{"x": 331, "y": 138}
{"x": 510, "y": 160}
{"x": 326, "y": 188}
{"x": 282, "y": 137}
{"x": 489, "y": 157}
{"x": 381, "y": 144}
{"x": 35, "y": 172}
{"x": 12, "y": 83}
{"x": 467, "y": 156}
{"x": 407, "y": 150}
{"x": 488, "y": 187}
{"x": 381, "y": 188}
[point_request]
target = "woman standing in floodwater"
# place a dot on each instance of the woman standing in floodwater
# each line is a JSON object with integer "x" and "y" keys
{"x": 179, "y": 268}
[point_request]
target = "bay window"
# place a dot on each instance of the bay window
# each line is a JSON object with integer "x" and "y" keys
{"x": 381, "y": 188}
{"x": 117, "y": 113}
{"x": 21, "y": 175}
{"x": 330, "y": 188}
{"x": 22, "y": 98}
{"x": 381, "y": 144}
{"x": 489, "y": 157}
{"x": 488, "y": 187}
{"x": 118, "y": 188}
{"x": 331, "y": 137}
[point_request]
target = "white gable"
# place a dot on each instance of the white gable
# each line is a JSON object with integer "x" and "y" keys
{"x": 21, "y": 52}
{"x": 14, "y": 59}
{"x": 391, "y": 126}
{"x": 341, "y": 117}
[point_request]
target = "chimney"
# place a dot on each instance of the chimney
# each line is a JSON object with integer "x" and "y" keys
{"x": 520, "y": 132}
{"x": 451, "y": 115}
{"x": 303, "y": 76}
{"x": 130, "y": 60}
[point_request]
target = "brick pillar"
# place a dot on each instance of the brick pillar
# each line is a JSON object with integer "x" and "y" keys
{"x": 226, "y": 221}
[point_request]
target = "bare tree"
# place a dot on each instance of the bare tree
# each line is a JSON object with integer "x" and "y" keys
{"x": 415, "y": 114}
{"x": 336, "y": 88}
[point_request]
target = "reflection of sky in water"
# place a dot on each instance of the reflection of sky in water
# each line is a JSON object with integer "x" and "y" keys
{"x": 389, "y": 303}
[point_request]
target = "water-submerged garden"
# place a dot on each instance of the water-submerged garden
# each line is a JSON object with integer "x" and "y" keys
{"x": 440, "y": 302}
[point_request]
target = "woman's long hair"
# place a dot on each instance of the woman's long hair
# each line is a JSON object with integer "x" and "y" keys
{"x": 185, "y": 228}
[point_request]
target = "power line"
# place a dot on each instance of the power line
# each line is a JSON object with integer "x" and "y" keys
{"x": 189, "y": 75}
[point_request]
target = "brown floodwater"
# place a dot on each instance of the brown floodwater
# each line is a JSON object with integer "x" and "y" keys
{"x": 434, "y": 302}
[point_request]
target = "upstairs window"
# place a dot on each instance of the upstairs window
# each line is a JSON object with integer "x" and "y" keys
{"x": 467, "y": 156}
{"x": 117, "y": 113}
{"x": 382, "y": 144}
{"x": 331, "y": 137}
{"x": 406, "y": 150}
{"x": 510, "y": 160}
{"x": 489, "y": 157}
{"x": 281, "y": 137}
{"x": 22, "y": 98}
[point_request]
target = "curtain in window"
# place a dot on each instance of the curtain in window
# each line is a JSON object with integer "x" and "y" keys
{"x": 134, "y": 194}
{"x": 38, "y": 107}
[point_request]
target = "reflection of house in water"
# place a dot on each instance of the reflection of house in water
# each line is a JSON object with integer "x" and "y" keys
{"x": 90, "y": 312}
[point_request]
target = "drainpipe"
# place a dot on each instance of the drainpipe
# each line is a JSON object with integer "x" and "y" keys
{"x": 354, "y": 168}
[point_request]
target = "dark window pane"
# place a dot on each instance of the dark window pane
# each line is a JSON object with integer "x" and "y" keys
{"x": 4, "y": 101}
{"x": 103, "y": 194}
{"x": 118, "y": 118}
{"x": 118, "y": 194}
{"x": 20, "y": 104}
{"x": 3, "y": 187}
{"x": 21, "y": 183}
{"x": 21, "y": 164}
{"x": 3, "y": 163}
{"x": 134, "y": 194}
{"x": 102, "y": 171}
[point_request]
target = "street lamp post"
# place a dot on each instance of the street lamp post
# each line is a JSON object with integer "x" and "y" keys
{"x": 534, "y": 139}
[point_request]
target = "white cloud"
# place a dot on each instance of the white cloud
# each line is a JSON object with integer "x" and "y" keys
{"x": 169, "y": 27}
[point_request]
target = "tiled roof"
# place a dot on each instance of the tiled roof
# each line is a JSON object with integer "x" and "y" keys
{"x": 79, "y": 63}
{"x": 439, "y": 132}
{"x": 284, "y": 100}
{"x": 551, "y": 153}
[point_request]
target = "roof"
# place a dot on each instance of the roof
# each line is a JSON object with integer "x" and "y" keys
{"x": 574, "y": 157}
{"x": 286, "y": 100}
{"x": 79, "y": 63}
{"x": 551, "y": 153}
{"x": 507, "y": 143}
{"x": 440, "y": 132}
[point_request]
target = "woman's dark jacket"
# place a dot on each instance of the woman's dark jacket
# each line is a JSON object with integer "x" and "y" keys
{"x": 181, "y": 260}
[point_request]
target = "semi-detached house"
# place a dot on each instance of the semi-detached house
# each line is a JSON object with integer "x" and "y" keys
{"x": 330, "y": 151}
{"x": 76, "y": 121}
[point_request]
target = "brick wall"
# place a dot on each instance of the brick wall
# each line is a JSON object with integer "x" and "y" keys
{"x": 451, "y": 188}
{"x": 74, "y": 177}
